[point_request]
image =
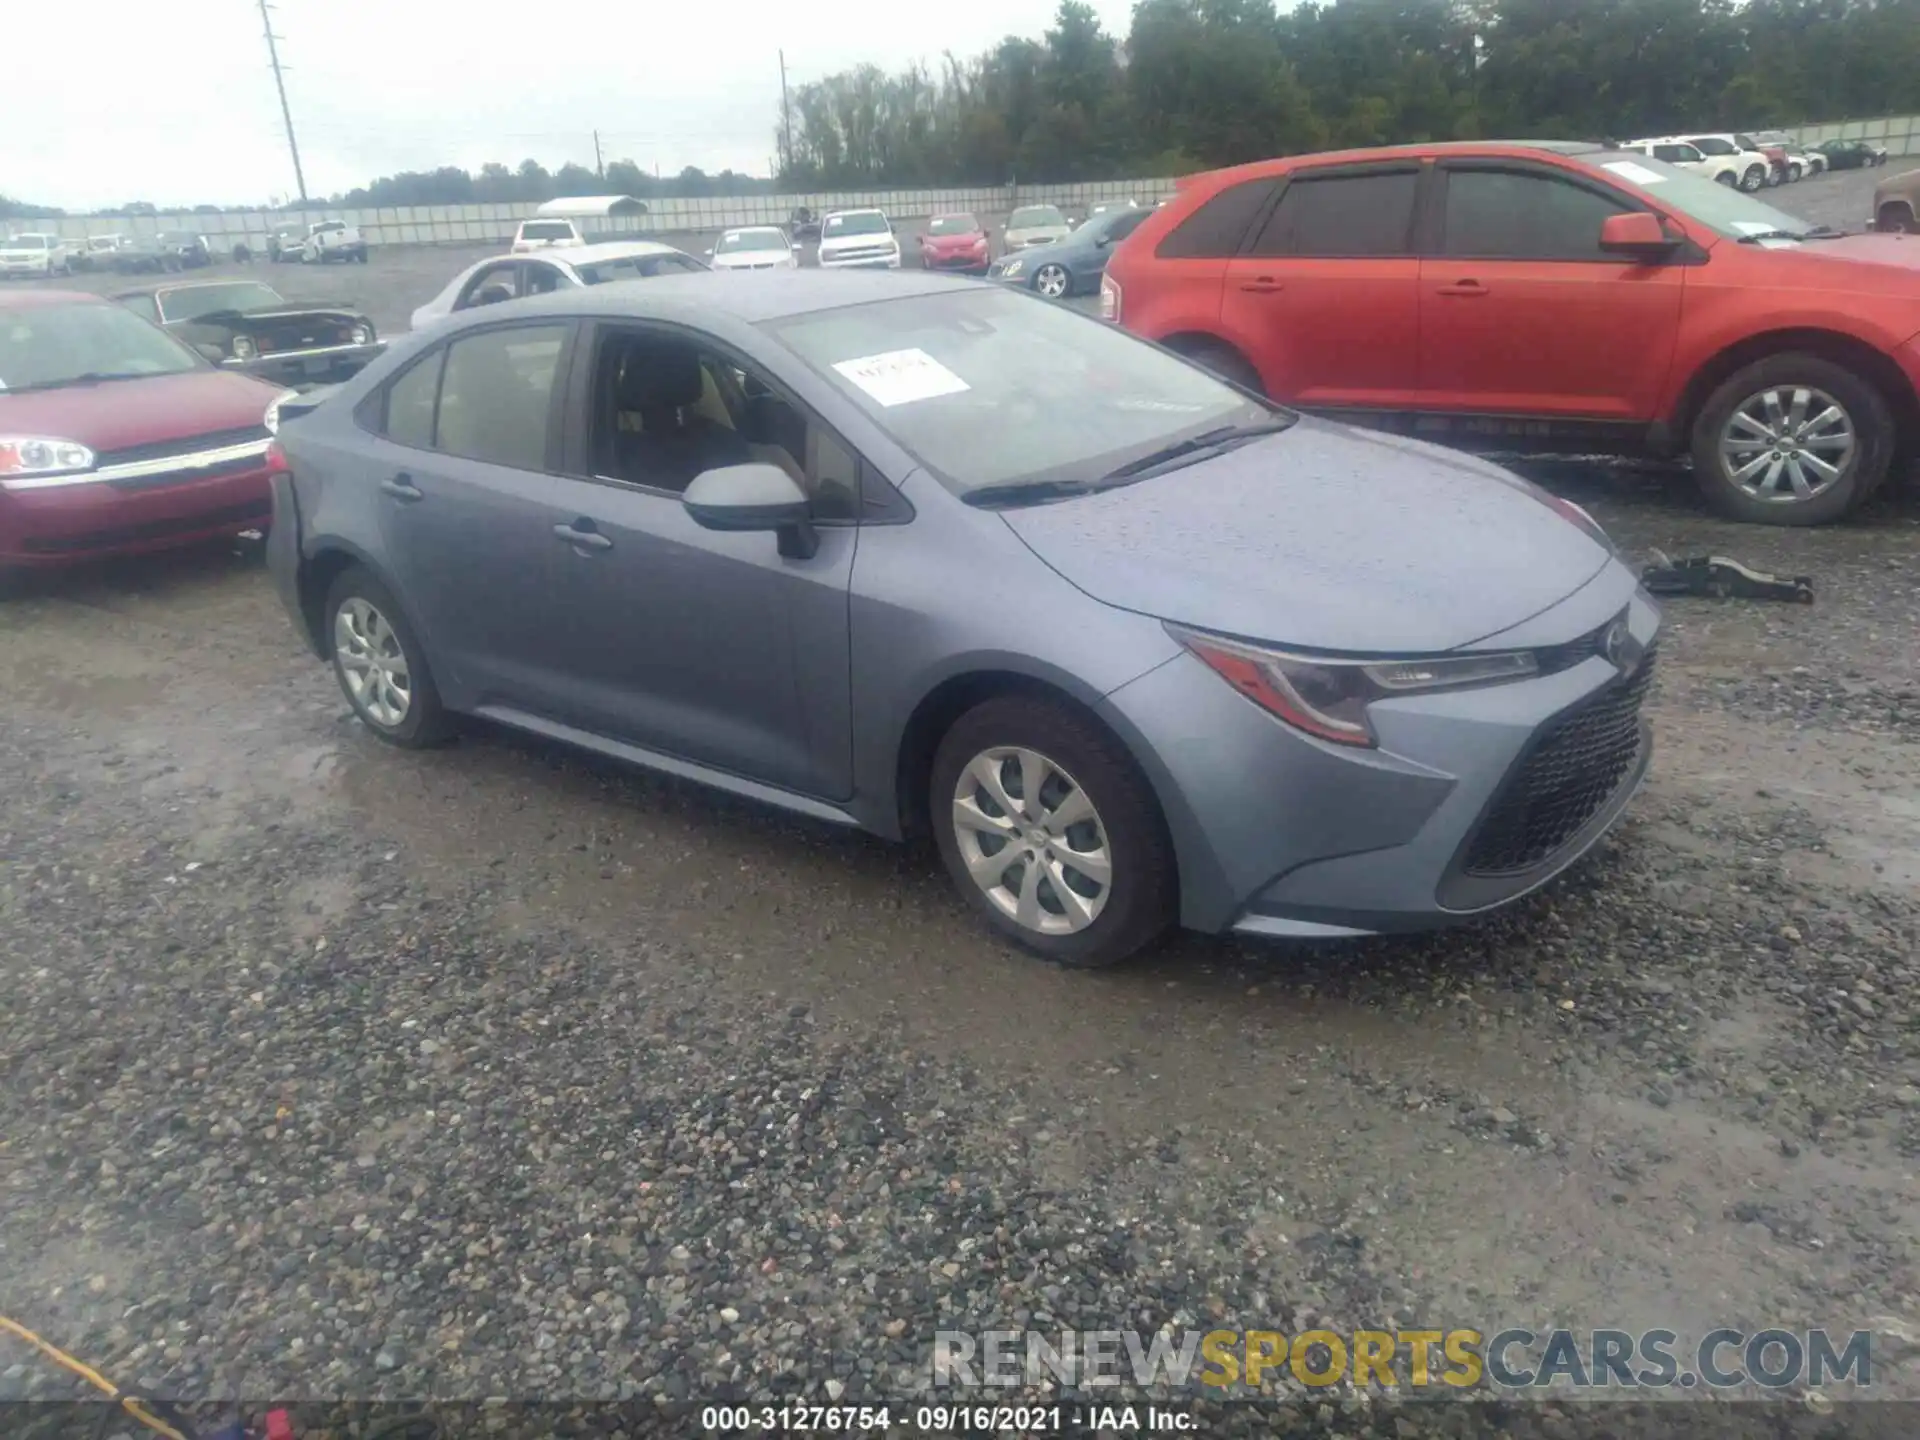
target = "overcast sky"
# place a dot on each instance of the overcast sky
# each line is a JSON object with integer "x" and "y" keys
{"x": 175, "y": 103}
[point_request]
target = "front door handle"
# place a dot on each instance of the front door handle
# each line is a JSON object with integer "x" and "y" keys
{"x": 582, "y": 539}
{"x": 401, "y": 487}
{"x": 1262, "y": 285}
{"x": 1465, "y": 289}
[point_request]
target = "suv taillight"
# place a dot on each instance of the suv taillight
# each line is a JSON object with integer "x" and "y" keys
{"x": 1109, "y": 299}
{"x": 276, "y": 460}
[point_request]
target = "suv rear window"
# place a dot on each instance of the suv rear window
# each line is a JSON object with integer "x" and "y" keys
{"x": 546, "y": 230}
{"x": 1215, "y": 230}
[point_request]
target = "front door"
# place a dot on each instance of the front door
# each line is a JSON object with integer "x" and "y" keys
{"x": 1325, "y": 298}
{"x": 710, "y": 646}
{"x": 468, "y": 505}
{"x": 1522, "y": 314}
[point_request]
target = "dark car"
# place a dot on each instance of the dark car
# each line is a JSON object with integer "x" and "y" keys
{"x": 183, "y": 250}
{"x": 246, "y": 326}
{"x": 803, "y": 224}
{"x": 1852, "y": 154}
{"x": 119, "y": 437}
{"x": 284, "y": 243}
{"x": 1072, "y": 266}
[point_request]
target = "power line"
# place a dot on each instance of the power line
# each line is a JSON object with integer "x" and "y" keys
{"x": 286, "y": 112}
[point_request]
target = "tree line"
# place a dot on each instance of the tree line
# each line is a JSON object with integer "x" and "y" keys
{"x": 1201, "y": 83}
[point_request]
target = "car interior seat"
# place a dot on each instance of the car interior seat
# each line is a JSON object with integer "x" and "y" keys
{"x": 660, "y": 382}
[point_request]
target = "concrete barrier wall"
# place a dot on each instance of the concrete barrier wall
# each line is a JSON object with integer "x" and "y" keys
{"x": 490, "y": 224}
{"x": 487, "y": 224}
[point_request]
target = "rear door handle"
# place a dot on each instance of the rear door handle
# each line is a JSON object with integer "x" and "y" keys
{"x": 583, "y": 539}
{"x": 1262, "y": 285}
{"x": 1466, "y": 289}
{"x": 401, "y": 487}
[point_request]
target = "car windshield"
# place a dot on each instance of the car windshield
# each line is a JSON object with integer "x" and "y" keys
{"x": 989, "y": 388}
{"x": 861, "y": 222}
{"x": 1729, "y": 212}
{"x": 737, "y": 240}
{"x": 636, "y": 267}
{"x": 28, "y": 242}
{"x": 191, "y": 301}
{"x": 53, "y": 345}
{"x": 1711, "y": 145}
{"x": 953, "y": 225}
{"x": 1033, "y": 217}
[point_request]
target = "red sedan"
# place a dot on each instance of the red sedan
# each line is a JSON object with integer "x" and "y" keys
{"x": 955, "y": 242}
{"x": 117, "y": 438}
{"x": 1548, "y": 296}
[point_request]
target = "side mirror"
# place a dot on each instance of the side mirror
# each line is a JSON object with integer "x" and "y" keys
{"x": 1638, "y": 234}
{"x": 710, "y": 252}
{"x": 210, "y": 351}
{"x": 754, "y": 497}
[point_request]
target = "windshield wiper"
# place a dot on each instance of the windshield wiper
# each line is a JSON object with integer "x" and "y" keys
{"x": 90, "y": 377}
{"x": 1031, "y": 492}
{"x": 1194, "y": 448}
{"x": 1818, "y": 232}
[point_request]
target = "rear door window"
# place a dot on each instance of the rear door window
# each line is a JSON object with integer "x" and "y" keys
{"x": 410, "y": 402}
{"x": 1215, "y": 230}
{"x": 496, "y": 395}
{"x": 1368, "y": 214}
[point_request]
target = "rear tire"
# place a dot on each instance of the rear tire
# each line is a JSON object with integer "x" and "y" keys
{"x": 1021, "y": 775}
{"x": 380, "y": 665}
{"x": 1794, "y": 172}
{"x": 1756, "y": 431}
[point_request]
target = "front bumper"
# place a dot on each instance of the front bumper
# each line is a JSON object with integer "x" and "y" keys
{"x": 1278, "y": 834}
{"x": 327, "y": 365}
{"x": 64, "y": 524}
{"x": 863, "y": 262}
{"x": 956, "y": 264}
{"x": 26, "y": 267}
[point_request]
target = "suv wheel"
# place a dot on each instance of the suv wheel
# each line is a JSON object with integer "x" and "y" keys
{"x": 1793, "y": 439}
{"x": 1755, "y": 179}
{"x": 1051, "y": 832}
{"x": 380, "y": 666}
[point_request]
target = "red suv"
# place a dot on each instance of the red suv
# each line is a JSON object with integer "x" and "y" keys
{"x": 1532, "y": 297}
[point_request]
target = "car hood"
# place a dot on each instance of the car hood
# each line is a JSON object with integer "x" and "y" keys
{"x": 1038, "y": 235}
{"x": 1326, "y": 538}
{"x": 119, "y": 414}
{"x": 1894, "y": 261}
{"x": 953, "y": 242}
{"x": 1904, "y": 186}
{"x": 256, "y": 319}
{"x": 831, "y": 243}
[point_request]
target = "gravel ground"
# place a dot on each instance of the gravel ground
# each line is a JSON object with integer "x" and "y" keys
{"x": 337, "y": 1072}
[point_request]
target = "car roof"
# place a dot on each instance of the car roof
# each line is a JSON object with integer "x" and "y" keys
{"x": 1261, "y": 169}
{"x": 790, "y": 293}
{"x": 37, "y": 299}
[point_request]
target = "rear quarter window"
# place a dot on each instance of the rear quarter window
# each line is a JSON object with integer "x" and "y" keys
{"x": 1216, "y": 229}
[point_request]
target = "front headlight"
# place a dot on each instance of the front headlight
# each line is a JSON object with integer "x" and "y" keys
{"x": 272, "y": 418}
{"x": 1011, "y": 270}
{"x": 361, "y": 335}
{"x": 28, "y": 462}
{"x": 243, "y": 348}
{"x": 1328, "y": 696}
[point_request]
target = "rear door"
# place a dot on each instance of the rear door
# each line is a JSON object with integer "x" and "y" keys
{"x": 1522, "y": 313}
{"x": 467, "y": 504}
{"x": 1325, "y": 296}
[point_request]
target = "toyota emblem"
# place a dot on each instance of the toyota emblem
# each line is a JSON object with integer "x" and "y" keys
{"x": 1617, "y": 645}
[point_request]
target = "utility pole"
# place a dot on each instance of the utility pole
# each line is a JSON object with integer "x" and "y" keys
{"x": 786, "y": 118}
{"x": 286, "y": 114}
{"x": 598, "y": 165}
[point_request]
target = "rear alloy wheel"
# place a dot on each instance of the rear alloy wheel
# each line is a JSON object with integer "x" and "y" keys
{"x": 1755, "y": 179}
{"x": 1052, "y": 281}
{"x": 1792, "y": 439}
{"x": 1051, "y": 833}
{"x": 379, "y": 664}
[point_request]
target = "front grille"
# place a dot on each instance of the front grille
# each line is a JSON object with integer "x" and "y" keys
{"x": 279, "y": 337}
{"x": 206, "y": 520}
{"x": 866, "y": 252}
{"x": 183, "y": 445}
{"x": 238, "y": 466}
{"x": 1574, "y": 768}
{"x": 1551, "y": 659}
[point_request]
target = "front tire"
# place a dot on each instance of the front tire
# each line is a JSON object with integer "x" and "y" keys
{"x": 1051, "y": 833}
{"x": 1793, "y": 439}
{"x": 1053, "y": 281}
{"x": 1754, "y": 180}
{"x": 1794, "y": 172}
{"x": 380, "y": 665}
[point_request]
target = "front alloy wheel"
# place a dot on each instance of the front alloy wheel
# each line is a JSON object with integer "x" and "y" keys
{"x": 1755, "y": 179}
{"x": 1051, "y": 281}
{"x": 1032, "y": 841}
{"x": 1787, "y": 444}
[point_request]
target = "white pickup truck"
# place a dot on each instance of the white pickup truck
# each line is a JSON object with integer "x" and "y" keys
{"x": 332, "y": 240}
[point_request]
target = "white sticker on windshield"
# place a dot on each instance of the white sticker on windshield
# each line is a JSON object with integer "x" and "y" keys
{"x": 900, "y": 377}
{"x": 1753, "y": 227}
{"x": 1638, "y": 174}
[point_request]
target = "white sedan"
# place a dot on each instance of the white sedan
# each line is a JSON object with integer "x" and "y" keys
{"x": 754, "y": 247}
{"x": 508, "y": 277}
{"x": 1723, "y": 169}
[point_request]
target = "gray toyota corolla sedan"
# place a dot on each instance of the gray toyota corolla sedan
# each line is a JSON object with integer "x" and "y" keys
{"x": 917, "y": 555}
